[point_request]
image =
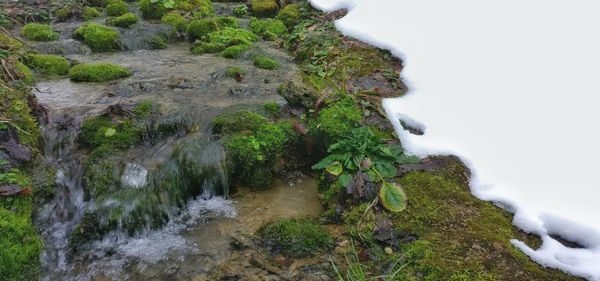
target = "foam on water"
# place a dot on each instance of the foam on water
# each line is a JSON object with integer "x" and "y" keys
{"x": 510, "y": 87}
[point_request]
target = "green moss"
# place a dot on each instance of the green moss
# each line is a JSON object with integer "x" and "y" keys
{"x": 207, "y": 47}
{"x": 234, "y": 52}
{"x": 100, "y": 131}
{"x": 265, "y": 62}
{"x": 236, "y": 72}
{"x": 90, "y": 13}
{"x": 98, "y": 37}
{"x": 124, "y": 21}
{"x": 235, "y": 122}
{"x": 157, "y": 43}
{"x": 143, "y": 109}
{"x": 97, "y": 72}
{"x": 116, "y": 8}
{"x": 25, "y": 73}
{"x": 38, "y": 32}
{"x": 15, "y": 108}
{"x": 49, "y": 64}
{"x": 264, "y": 8}
{"x": 19, "y": 246}
{"x": 240, "y": 11}
{"x": 268, "y": 28}
{"x": 289, "y": 15}
{"x": 337, "y": 120}
{"x": 297, "y": 238}
{"x": 96, "y": 3}
{"x": 272, "y": 108}
{"x": 232, "y": 36}
{"x": 98, "y": 176}
{"x": 200, "y": 28}
{"x": 461, "y": 237}
{"x": 62, "y": 14}
{"x": 201, "y": 8}
{"x": 152, "y": 9}
{"x": 298, "y": 94}
{"x": 175, "y": 20}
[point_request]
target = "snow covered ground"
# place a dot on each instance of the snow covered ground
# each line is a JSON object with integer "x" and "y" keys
{"x": 512, "y": 87}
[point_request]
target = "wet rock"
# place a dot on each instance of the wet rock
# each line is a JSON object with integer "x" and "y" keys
{"x": 297, "y": 94}
{"x": 240, "y": 242}
{"x": 17, "y": 151}
{"x": 62, "y": 47}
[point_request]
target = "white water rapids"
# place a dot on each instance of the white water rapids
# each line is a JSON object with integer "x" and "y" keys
{"x": 511, "y": 87}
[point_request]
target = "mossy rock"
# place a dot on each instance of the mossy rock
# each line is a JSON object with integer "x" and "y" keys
{"x": 100, "y": 132}
{"x": 289, "y": 15}
{"x": 152, "y": 10}
{"x": 124, "y": 21}
{"x": 157, "y": 43}
{"x": 200, "y": 28}
{"x": 236, "y": 73}
{"x": 298, "y": 94}
{"x": 116, "y": 8}
{"x": 235, "y": 122}
{"x": 263, "y": 62}
{"x": 20, "y": 247}
{"x": 101, "y": 72}
{"x": 338, "y": 120}
{"x": 38, "y": 32}
{"x": 175, "y": 20}
{"x": 98, "y": 37}
{"x": 207, "y": 47}
{"x": 51, "y": 65}
{"x": 264, "y": 8}
{"x": 235, "y": 52}
{"x": 90, "y": 13}
{"x": 297, "y": 237}
{"x": 269, "y": 29}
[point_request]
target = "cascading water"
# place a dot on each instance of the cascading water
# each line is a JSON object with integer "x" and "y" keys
{"x": 59, "y": 216}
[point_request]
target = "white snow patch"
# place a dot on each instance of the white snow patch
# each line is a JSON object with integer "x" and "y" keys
{"x": 511, "y": 87}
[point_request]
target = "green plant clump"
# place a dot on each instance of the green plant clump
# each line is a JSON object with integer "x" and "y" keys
{"x": 236, "y": 72}
{"x": 157, "y": 43}
{"x": 272, "y": 108}
{"x": 338, "y": 119}
{"x": 240, "y": 11}
{"x": 152, "y": 10}
{"x": 62, "y": 14}
{"x": 19, "y": 246}
{"x": 265, "y": 62}
{"x": 38, "y": 32}
{"x": 236, "y": 51}
{"x": 200, "y": 28}
{"x": 175, "y": 20}
{"x": 90, "y": 13}
{"x": 116, "y": 8}
{"x": 49, "y": 64}
{"x": 264, "y": 8}
{"x": 236, "y": 122}
{"x": 98, "y": 37}
{"x": 297, "y": 237}
{"x": 289, "y": 15}
{"x": 101, "y": 132}
{"x": 101, "y": 72}
{"x": 269, "y": 29}
{"x": 124, "y": 21}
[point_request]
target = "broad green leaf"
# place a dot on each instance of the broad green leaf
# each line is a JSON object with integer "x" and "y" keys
{"x": 335, "y": 168}
{"x": 110, "y": 132}
{"x": 407, "y": 159}
{"x": 169, "y": 4}
{"x": 323, "y": 163}
{"x": 385, "y": 169}
{"x": 344, "y": 180}
{"x": 392, "y": 197}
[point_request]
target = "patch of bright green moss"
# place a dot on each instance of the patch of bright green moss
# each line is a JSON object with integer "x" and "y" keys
{"x": 175, "y": 20}
{"x": 207, "y": 47}
{"x": 289, "y": 15}
{"x": 90, "y": 13}
{"x": 272, "y": 108}
{"x": 49, "y": 64}
{"x": 235, "y": 72}
{"x": 236, "y": 122}
{"x": 97, "y": 72}
{"x": 236, "y": 51}
{"x": 98, "y": 37}
{"x": 338, "y": 119}
{"x": 240, "y": 11}
{"x": 232, "y": 36}
{"x": 25, "y": 73}
{"x": 264, "y": 8}
{"x": 19, "y": 246}
{"x": 116, "y": 8}
{"x": 124, "y": 21}
{"x": 297, "y": 237}
{"x": 143, "y": 109}
{"x": 265, "y": 63}
{"x": 38, "y": 32}
{"x": 200, "y": 28}
{"x": 158, "y": 43}
{"x": 152, "y": 9}
{"x": 268, "y": 28}
{"x": 102, "y": 132}
{"x": 15, "y": 108}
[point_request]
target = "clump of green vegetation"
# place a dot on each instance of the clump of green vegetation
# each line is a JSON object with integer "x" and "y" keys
{"x": 200, "y": 28}
{"x": 143, "y": 109}
{"x": 232, "y": 36}
{"x": 62, "y": 14}
{"x": 116, "y": 8}
{"x": 264, "y": 8}
{"x": 234, "y": 52}
{"x": 207, "y": 47}
{"x": 90, "y": 13}
{"x": 234, "y": 122}
{"x": 98, "y": 175}
{"x": 157, "y": 43}
{"x": 26, "y": 73}
{"x": 272, "y": 108}
{"x": 269, "y": 29}
{"x": 101, "y": 72}
{"x": 289, "y": 15}
{"x": 298, "y": 94}
{"x": 236, "y": 73}
{"x": 124, "y": 21}
{"x": 49, "y": 64}
{"x": 297, "y": 237}
{"x": 152, "y": 10}
{"x": 19, "y": 246}
{"x": 38, "y": 32}
{"x": 175, "y": 20}
{"x": 202, "y": 8}
{"x": 240, "y": 11}
{"x": 102, "y": 132}
{"x": 265, "y": 62}
{"x": 98, "y": 37}
{"x": 338, "y": 119}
